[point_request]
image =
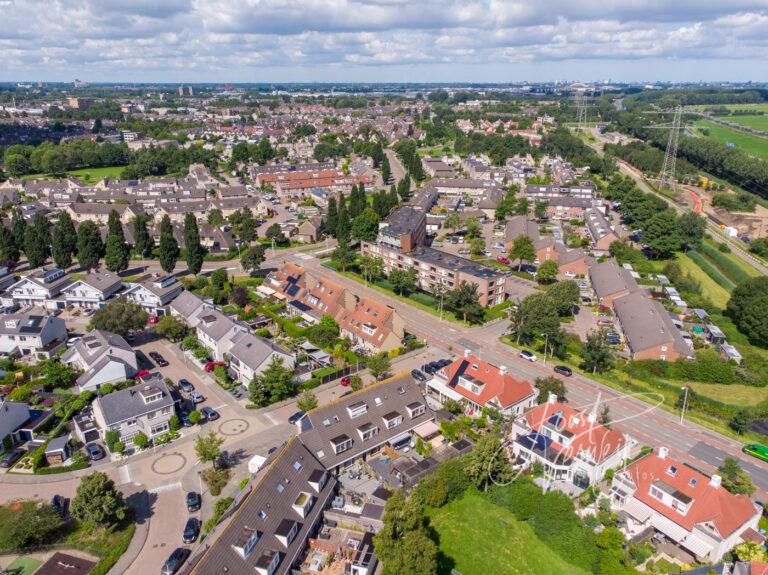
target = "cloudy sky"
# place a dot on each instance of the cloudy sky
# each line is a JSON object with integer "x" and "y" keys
{"x": 382, "y": 40}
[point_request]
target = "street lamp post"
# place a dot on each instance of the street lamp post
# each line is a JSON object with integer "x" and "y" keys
{"x": 546, "y": 340}
{"x": 685, "y": 404}
{"x": 200, "y": 482}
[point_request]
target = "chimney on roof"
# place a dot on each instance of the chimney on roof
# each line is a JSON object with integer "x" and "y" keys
{"x": 467, "y": 353}
{"x": 715, "y": 481}
{"x": 502, "y": 370}
{"x": 663, "y": 452}
{"x": 552, "y": 398}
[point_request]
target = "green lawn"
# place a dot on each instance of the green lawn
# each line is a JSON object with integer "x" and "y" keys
{"x": 88, "y": 175}
{"x": 752, "y": 145}
{"x": 28, "y": 566}
{"x": 710, "y": 289}
{"x": 756, "y": 122}
{"x": 480, "y": 538}
{"x": 747, "y": 395}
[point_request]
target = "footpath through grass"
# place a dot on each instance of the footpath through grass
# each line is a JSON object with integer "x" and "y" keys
{"x": 480, "y": 538}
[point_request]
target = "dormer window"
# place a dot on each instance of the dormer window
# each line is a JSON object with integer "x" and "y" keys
{"x": 367, "y": 431}
{"x": 357, "y": 409}
{"x": 246, "y": 541}
{"x": 416, "y": 409}
{"x": 341, "y": 443}
{"x": 303, "y": 503}
{"x": 392, "y": 419}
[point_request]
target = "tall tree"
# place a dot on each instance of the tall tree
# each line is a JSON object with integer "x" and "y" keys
{"x": 357, "y": 201}
{"x": 275, "y": 383}
{"x": 37, "y": 241}
{"x": 332, "y": 218}
{"x": 403, "y": 280}
{"x": 18, "y": 225}
{"x": 144, "y": 243}
{"x": 114, "y": 225}
{"x": 691, "y": 227}
{"x": 453, "y": 221}
{"x": 64, "y": 241}
{"x": 195, "y": 250}
{"x": 344, "y": 225}
{"x": 465, "y": 300}
{"x": 365, "y": 226}
{"x": 596, "y": 354}
{"x": 97, "y": 502}
{"x": 393, "y": 197}
{"x": 120, "y": 316}
{"x": 404, "y": 187}
{"x": 386, "y": 170}
{"x": 252, "y": 258}
{"x": 522, "y": 250}
{"x": 116, "y": 254}
{"x": 9, "y": 251}
{"x": 169, "y": 247}
{"x": 89, "y": 245}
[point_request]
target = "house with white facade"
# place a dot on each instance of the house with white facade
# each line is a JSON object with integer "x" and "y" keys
{"x": 102, "y": 357}
{"x": 477, "y": 384}
{"x": 145, "y": 408}
{"x": 251, "y": 354}
{"x": 688, "y": 507}
{"x": 31, "y": 333}
{"x": 216, "y": 332}
{"x": 42, "y": 287}
{"x": 570, "y": 444}
{"x": 155, "y": 293}
{"x": 93, "y": 291}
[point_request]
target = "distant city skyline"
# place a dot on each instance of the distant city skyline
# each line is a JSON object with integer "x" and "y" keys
{"x": 193, "y": 41}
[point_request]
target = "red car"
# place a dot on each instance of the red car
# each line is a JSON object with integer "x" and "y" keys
{"x": 502, "y": 260}
{"x": 141, "y": 374}
{"x": 345, "y": 381}
{"x": 211, "y": 365}
{"x": 153, "y": 319}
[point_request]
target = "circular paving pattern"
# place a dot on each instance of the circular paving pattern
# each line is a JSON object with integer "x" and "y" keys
{"x": 232, "y": 427}
{"x": 169, "y": 463}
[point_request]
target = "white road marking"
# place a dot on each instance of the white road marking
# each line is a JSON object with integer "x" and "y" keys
{"x": 168, "y": 487}
{"x": 271, "y": 419}
{"x": 222, "y": 406}
{"x": 125, "y": 473}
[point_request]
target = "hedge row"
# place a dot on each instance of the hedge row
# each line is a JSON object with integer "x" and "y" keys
{"x": 726, "y": 264}
{"x": 710, "y": 270}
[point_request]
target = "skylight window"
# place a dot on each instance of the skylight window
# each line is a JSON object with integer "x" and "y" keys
{"x": 672, "y": 470}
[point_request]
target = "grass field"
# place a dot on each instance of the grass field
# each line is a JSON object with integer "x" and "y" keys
{"x": 757, "y": 122}
{"x": 88, "y": 175}
{"x": 752, "y": 145}
{"x": 27, "y": 565}
{"x": 746, "y": 395}
{"x": 710, "y": 289}
{"x": 479, "y": 538}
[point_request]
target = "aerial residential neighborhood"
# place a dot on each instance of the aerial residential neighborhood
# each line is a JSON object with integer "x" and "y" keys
{"x": 372, "y": 288}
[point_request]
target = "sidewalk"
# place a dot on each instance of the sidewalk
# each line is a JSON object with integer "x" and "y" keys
{"x": 139, "y": 501}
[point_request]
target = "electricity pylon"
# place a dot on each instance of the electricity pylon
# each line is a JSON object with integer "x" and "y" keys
{"x": 667, "y": 175}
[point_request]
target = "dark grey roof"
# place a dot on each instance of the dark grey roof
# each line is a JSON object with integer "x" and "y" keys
{"x": 215, "y": 324}
{"x": 646, "y": 324}
{"x": 268, "y": 511}
{"x": 253, "y": 350}
{"x": 328, "y": 423}
{"x": 609, "y": 278}
{"x": 455, "y": 263}
{"x": 186, "y": 303}
{"x": 128, "y": 403}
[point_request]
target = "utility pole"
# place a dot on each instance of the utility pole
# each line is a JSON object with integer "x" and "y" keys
{"x": 685, "y": 404}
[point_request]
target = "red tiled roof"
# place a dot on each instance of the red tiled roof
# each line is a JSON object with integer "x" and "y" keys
{"x": 507, "y": 390}
{"x": 368, "y": 311}
{"x": 758, "y": 568}
{"x": 715, "y": 505}
{"x": 594, "y": 438}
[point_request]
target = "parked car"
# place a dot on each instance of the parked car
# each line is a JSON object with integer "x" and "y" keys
{"x": 345, "y": 381}
{"x": 184, "y": 418}
{"x": 196, "y": 397}
{"x": 88, "y": 312}
{"x": 141, "y": 374}
{"x": 570, "y": 275}
{"x": 210, "y": 413}
{"x": 94, "y": 451}
{"x": 72, "y": 341}
{"x": 211, "y": 365}
{"x": 564, "y": 370}
{"x": 430, "y": 368}
{"x": 175, "y": 561}
{"x": 502, "y": 259}
{"x": 604, "y": 321}
{"x": 586, "y": 299}
{"x": 59, "y": 504}
{"x": 191, "y": 530}
{"x": 441, "y": 363}
{"x": 527, "y": 355}
{"x": 158, "y": 359}
{"x": 418, "y": 375}
{"x": 295, "y": 417}
{"x": 464, "y": 252}
{"x": 186, "y": 386}
{"x": 153, "y": 319}
{"x": 193, "y": 501}
{"x": 11, "y": 457}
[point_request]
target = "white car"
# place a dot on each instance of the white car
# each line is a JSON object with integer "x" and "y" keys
{"x": 196, "y": 397}
{"x": 570, "y": 275}
{"x": 527, "y": 355}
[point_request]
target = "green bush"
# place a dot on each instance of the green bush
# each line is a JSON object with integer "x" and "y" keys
{"x": 118, "y": 546}
{"x": 62, "y": 469}
{"x": 219, "y": 509}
